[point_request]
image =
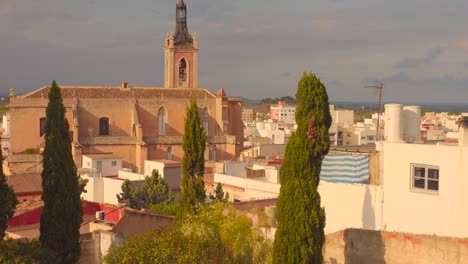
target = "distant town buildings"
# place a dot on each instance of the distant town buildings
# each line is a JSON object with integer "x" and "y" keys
{"x": 283, "y": 113}
{"x": 404, "y": 183}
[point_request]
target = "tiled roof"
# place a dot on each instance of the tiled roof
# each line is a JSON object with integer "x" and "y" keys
{"x": 119, "y": 92}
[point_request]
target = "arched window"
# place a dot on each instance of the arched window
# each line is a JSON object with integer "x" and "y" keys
{"x": 104, "y": 126}
{"x": 42, "y": 122}
{"x": 205, "y": 120}
{"x": 162, "y": 122}
{"x": 212, "y": 154}
{"x": 182, "y": 71}
{"x": 169, "y": 154}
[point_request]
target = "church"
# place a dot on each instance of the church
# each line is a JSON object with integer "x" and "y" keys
{"x": 136, "y": 123}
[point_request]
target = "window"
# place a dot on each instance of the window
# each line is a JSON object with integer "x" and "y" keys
{"x": 114, "y": 163}
{"x": 425, "y": 177}
{"x": 182, "y": 71}
{"x": 104, "y": 126}
{"x": 162, "y": 122}
{"x": 206, "y": 121}
{"x": 99, "y": 165}
{"x": 42, "y": 122}
{"x": 170, "y": 154}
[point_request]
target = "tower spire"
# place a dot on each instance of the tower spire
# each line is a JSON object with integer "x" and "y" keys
{"x": 181, "y": 35}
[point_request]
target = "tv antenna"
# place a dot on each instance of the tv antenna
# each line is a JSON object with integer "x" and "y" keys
{"x": 380, "y": 88}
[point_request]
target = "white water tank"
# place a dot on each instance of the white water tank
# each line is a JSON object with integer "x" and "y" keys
{"x": 411, "y": 123}
{"x": 393, "y": 122}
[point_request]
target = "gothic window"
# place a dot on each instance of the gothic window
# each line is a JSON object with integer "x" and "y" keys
{"x": 182, "y": 70}
{"x": 104, "y": 126}
{"x": 42, "y": 122}
{"x": 206, "y": 121}
{"x": 170, "y": 154}
{"x": 162, "y": 122}
{"x": 212, "y": 150}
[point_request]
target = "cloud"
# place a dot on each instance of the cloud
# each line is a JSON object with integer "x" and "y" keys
{"x": 465, "y": 64}
{"x": 324, "y": 25}
{"x": 464, "y": 44}
{"x": 432, "y": 55}
{"x": 441, "y": 82}
{"x": 7, "y": 9}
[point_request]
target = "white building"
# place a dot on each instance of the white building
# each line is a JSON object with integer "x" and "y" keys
{"x": 6, "y": 124}
{"x": 283, "y": 113}
{"x": 271, "y": 131}
{"x": 413, "y": 186}
{"x": 105, "y": 176}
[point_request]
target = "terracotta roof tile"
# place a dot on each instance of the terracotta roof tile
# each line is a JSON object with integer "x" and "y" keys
{"x": 90, "y": 92}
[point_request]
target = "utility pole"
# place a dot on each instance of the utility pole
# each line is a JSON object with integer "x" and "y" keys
{"x": 380, "y": 87}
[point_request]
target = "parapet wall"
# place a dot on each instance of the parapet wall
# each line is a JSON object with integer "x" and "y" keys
{"x": 365, "y": 246}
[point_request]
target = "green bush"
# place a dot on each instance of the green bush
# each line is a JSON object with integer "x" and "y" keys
{"x": 25, "y": 252}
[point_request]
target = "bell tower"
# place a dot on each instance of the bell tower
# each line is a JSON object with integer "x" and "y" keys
{"x": 181, "y": 54}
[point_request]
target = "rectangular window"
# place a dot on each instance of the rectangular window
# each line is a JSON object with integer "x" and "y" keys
{"x": 99, "y": 165}
{"x": 42, "y": 122}
{"x": 425, "y": 177}
{"x": 114, "y": 163}
{"x": 104, "y": 126}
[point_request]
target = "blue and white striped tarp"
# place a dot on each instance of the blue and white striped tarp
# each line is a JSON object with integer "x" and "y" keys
{"x": 345, "y": 168}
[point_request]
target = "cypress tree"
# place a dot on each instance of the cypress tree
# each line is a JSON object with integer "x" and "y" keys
{"x": 62, "y": 213}
{"x": 193, "y": 163}
{"x": 8, "y": 201}
{"x": 301, "y": 219}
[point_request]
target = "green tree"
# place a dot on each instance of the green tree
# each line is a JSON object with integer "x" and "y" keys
{"x": 301, "y": 219}
{"x": 193, "y": 162}
{"x": 219, "y": 195}
{"x": 153, "y": 191}
{"x": 217, "y": 233}
{"x": 62, "y": 213}
{"x": 25, "y": 252}
{"x": 8, "y": 201}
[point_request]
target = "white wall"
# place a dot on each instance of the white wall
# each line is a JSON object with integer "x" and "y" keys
{"x": 108, "y": 169}
{"x": 342, "y": 117}
{"x": 171, "y": 174}
{"x": 254, "y": 189}
{"x": 112, "y": 187}
{"x": 131, "y": 176}
{"x": 6, "y": 124}
{"x": 105, "y": 190}
{"x": 346, "y": 205}
{"x": 406, "y": 210}
{"x": 350, "y": 206}
{"x": 94, "y": 188}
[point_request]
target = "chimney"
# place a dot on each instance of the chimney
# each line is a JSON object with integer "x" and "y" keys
{"x": 463, "y": 131}
{"x": 124, "y": 84}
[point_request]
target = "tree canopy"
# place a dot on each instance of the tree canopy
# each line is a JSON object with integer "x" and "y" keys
{"x": 8, "y": 201}
{"x": 62, "y": 213}
{"x": 153, "y": 191}
{"x": 301, "y": 219}
{"x": 193, "y": 162}
{"x": 25, "y": 252}
{"x": 217, "y": 233}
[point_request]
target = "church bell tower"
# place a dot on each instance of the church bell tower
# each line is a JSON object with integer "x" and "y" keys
{"x": 181, "y": 54}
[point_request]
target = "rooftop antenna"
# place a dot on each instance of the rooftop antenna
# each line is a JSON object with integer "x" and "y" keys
{"x": 380, "y": 88}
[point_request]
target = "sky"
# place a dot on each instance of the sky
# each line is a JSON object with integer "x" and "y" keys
{"x": 251, "y": 48}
